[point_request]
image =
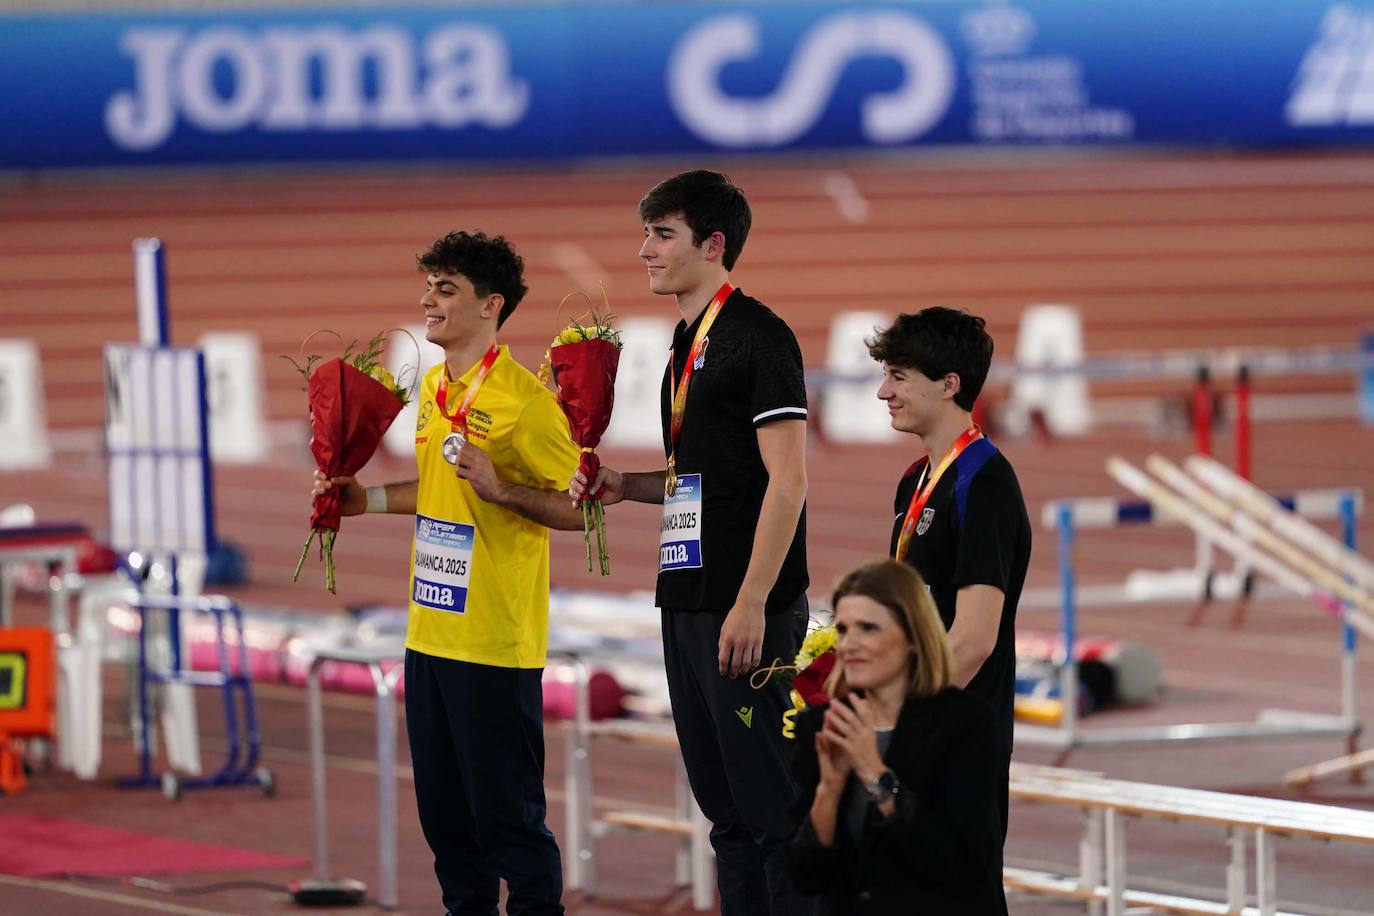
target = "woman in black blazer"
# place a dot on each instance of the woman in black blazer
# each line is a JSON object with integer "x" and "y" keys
{"x": 898, "y": 807}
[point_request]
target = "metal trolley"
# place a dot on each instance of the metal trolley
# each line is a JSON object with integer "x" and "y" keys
{"x": 234, "y": 681}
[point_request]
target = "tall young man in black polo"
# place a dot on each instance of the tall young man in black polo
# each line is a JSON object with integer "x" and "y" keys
{"x": 732, "y": 555}
{"x": 961, "y": 519}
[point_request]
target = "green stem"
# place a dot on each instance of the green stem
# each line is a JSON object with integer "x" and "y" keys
{"x": 587, "y": 531}
{"x": 295, "y": 576}
{"x": 605, "y": 547}
{"x": 329, "y": 560}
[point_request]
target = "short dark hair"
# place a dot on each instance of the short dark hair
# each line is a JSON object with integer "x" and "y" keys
{"x": 489, "y": 262}
{"x": 935, "y": 342}
{"x": 709, "y": 202}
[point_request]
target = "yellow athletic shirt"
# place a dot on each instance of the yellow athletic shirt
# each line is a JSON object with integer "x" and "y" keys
{"x": 479, "y": 581}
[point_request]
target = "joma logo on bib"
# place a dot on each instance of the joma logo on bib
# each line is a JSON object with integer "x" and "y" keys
{"x": 813, "y": 73}
{"x": 465, "y": 79}
{"x": 673, "y": 555}
{"x": 431, "y": 595}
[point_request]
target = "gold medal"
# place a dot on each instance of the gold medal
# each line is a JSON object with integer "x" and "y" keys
{"x": 677, "y": 392}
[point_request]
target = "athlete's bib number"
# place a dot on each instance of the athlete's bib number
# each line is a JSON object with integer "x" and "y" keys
{"x": 679, "y": 544}
{"x": 443, "y": 564}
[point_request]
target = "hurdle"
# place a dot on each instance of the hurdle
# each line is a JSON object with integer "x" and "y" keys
{"x": 386, "y": 667}
{"x": 584, "y": 828}
{"x": 1067, "y": 517}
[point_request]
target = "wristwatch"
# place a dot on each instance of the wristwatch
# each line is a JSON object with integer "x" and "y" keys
{"x": 884, "y": 787}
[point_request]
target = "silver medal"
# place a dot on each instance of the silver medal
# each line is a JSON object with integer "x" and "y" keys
{"x": 453, "y": 443}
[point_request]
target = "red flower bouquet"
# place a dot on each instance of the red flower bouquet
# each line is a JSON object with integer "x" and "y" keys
{"x": 582, "y": 361}
{"x": 352, "y": 400}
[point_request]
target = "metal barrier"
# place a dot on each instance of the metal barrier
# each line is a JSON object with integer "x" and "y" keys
{"x": 384, "y": 680}
{"x": 584, "y": 827}
{"x": 1108, "y": 803}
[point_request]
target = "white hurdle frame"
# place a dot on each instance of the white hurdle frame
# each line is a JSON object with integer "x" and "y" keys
{"x": 1106, "y": 806}
{"x": 1068, "y": 516}
{"x": 694, "y": 860}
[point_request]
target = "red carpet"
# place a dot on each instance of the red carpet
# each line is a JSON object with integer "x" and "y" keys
{"x": 44, "y": 847}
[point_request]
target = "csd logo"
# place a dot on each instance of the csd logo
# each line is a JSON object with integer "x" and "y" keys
{"x": 890, "y": 116}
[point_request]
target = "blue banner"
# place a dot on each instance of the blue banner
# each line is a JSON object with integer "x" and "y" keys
{"x": 565, "y": 81}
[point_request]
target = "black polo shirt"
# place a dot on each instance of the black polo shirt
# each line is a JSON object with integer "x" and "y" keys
{"x": 977, "y": 534}
{"x": 750, "y": 374}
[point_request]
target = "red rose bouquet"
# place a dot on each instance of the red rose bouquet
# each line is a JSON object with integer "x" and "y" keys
{"x": 353, "y": 400}
{"x": 582, "y": 361}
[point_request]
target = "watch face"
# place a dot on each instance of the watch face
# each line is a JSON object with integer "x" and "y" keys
{"x": 882, "y": 788}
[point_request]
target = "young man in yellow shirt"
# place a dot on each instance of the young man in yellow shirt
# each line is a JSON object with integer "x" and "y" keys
{"x": 494, "y": 454}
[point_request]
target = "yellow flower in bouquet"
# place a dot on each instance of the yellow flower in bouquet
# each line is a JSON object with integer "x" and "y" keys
{"x": 383, "y": 375}
{"x": 818, "y": 642}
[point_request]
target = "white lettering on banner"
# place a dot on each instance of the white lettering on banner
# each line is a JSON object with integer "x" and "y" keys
{"x": 1335, "y": 84}
{"x": 1018, "y": 96}
{"x": 341, "y": 58}
{"x": 812, "y": 74}
{"x": 143, "y": 121}
{"x": 201, "y": 101}
{"x": 462, "y": 76}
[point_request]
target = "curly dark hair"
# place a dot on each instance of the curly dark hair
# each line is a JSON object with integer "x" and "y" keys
{"x": 490, "y": 262}
{"x": 935, "y": 342}
{"x": 709, "y": 202}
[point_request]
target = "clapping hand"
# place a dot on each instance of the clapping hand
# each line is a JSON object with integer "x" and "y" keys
{"x": 851, "y": 727}
{"x": 835, "y": 768}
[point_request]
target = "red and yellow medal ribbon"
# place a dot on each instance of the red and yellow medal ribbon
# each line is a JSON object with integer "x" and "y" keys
{"x": 677, "y": 394}
{"x": 458, "y": 420}
{"x": 922, "y": 494}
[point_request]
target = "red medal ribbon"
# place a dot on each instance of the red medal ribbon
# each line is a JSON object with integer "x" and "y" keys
{"x": 677, "y": 394}
{"x": 922, "y": 494}
{"x": 458, "y": 420}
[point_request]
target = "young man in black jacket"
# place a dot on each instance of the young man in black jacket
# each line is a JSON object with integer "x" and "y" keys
{"x": 960, "y": 517}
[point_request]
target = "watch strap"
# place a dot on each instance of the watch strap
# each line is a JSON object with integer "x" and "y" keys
{"x": 884, "y": 787}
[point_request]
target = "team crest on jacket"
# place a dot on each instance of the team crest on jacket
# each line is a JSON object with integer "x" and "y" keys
{"x": 927, "y": 516}
{"x": 701, "y": 354}
{"x": 426, "y": 411}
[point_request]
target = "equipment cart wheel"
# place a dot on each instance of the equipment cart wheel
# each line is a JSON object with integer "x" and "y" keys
{"x": 171, "y": 786}
{"x": 267, "y": 781}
